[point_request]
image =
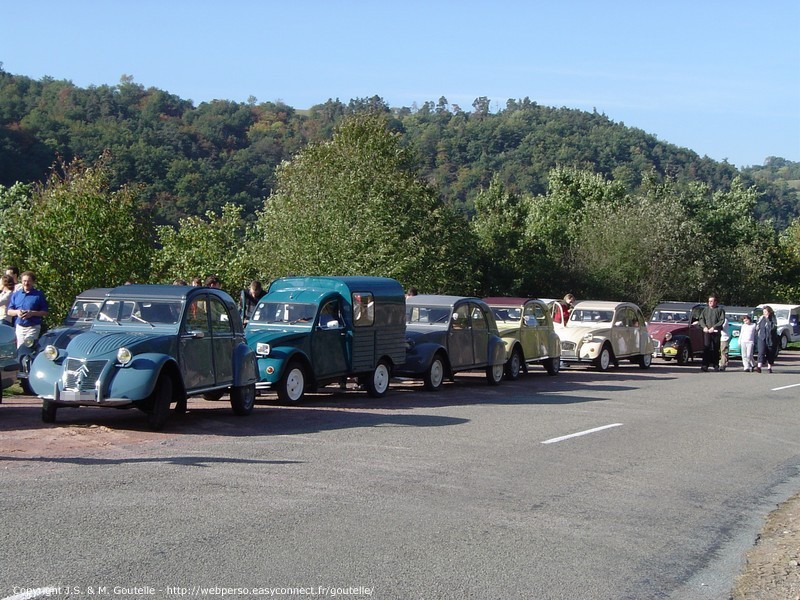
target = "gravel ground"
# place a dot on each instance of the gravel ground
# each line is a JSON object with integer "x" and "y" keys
{"x": 772, "y": 571}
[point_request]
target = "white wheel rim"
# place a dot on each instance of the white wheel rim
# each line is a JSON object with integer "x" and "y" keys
{"x": 295, "y": 383}
{"x": 605, "y": 359}
{"x": 380, "y": 379}
{"x": 497, "y": 372}
{"x": 437, "y": 373}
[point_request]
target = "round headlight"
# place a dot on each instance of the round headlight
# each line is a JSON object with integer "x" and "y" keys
{"x": 50, "y": 352}
{"x": 262, "y": 349}
{"x": 29, "y": 342}
{"x": 124, "y": 356}
{"x": 588, "y": 337}
{"x": 668, "y": 336}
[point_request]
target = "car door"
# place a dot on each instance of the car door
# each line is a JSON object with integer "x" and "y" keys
{"x": 639, "y": 331}
{"x": 621, "y": 339}
{"x": 196, "y": 353}
{"x": 459, "y": 338}
{"x": 534, "y": 331}
{"x": 480, "y": 335}
{"x": 223, "y": 341}
{"x": 329, "y": 346}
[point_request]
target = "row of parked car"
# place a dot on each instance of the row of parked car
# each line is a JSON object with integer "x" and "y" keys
{"x": 153, "y": 346}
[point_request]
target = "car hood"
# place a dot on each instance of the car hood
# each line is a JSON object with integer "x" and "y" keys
{"x": 657, "y": 330}
{"x": 576, "y": 334}
{"x": 429, "y": 334}
{"x": 92, "y": 343}
{"x": 275, "y": 337}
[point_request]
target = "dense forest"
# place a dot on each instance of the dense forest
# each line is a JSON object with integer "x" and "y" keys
{"x": 117, "y": 183}
{"x": 191, "y": 159}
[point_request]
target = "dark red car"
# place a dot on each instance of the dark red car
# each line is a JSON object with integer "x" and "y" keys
{"x": 675, "y": 331}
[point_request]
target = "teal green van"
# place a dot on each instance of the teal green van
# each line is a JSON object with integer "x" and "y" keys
{"x": 308, "y": 332}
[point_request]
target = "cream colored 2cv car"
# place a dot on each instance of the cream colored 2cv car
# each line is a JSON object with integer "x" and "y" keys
{"x": 603, "y": 333}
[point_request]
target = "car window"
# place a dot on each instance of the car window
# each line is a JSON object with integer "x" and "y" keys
{"x": 478, "y": 318}
{"x": 220, "y": 319}
{"x": 363, "y": 309}
{"x": 588, "y": 316}
{"x": 461, "y": 317}
{"x": 196, "y": 315}
{"x": 428, "y": 315}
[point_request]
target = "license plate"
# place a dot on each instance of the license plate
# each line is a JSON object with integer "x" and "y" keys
{"x": 74, "y": 396}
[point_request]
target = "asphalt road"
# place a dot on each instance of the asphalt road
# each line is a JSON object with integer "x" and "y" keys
{"x": 474, "y": 492}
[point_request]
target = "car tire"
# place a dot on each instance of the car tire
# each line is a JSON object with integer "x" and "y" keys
{"x": 553, "y": 365}
{"x": 434, "y": 376}
{"x": 160, "y": 402}
{"x": 26, "y": 387}
{"x": 49, "y": 411}
{"x": 605, "y": 359}
{"x": 378, "y": 382}
{"x": 645, "y": 360}
{"x": 494, "y": 374}
{"x": 784, "y": 341}
{"x": 684, "y": 354}
{"x": 514, "y": 365}
{"x": 292, "y": 386}
{"x": 243, "y": 399}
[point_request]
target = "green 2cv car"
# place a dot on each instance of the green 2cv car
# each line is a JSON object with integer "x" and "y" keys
{"x": 308, "y": 332}
{"x": 150, "y": 346}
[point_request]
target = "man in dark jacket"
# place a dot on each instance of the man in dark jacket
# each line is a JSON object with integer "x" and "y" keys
{"x": 712, "y": 319}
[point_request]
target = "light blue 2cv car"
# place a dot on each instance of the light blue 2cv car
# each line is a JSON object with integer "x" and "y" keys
{"x": 150, "y": 346}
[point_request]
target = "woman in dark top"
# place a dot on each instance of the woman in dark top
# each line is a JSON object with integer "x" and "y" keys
{"x": 767, "y": 339}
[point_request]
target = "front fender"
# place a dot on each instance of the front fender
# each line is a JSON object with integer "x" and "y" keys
{"x": 137, "y": 379}
{"x": 245, "y": 370}
{"x": 270, "y": 368}
{"x": 591, "y": 350}
{"x": 419, "y": 358}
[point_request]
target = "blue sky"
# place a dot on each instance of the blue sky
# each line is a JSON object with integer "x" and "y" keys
{"x": 719, "y": 77}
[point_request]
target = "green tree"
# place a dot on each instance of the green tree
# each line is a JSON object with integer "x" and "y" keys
{"x": 200, "y": 247}
{"x": 356, "y": 205}
{"x": 76, "y": 233}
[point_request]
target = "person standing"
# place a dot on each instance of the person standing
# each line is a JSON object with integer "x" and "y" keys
{"x": 250, "y": 298}
{"x": 724, "y": 345}
{"x": 747, "y": 342}
{"x": 28, "y": 305}
{"x": 711, "y": 319}
{"x": 13, "y": 272}
{"x": 6, "y": 289}
{"x": 767, "y": 339}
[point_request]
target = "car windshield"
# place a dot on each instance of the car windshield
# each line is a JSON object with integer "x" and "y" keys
{"x": 589, "y": 316}
{"x": 670, "y": 316}
{"x": 152, "y": 312}
{"x": 428, "y": 315}
{"x": 507, "y": 313}
{"x": 84, "y": 310}
{"x": 285, "y": 313}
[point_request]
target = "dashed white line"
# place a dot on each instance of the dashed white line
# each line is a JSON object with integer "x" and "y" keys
{"x": 580, "y": 433}
{"x": 785, "y": 387}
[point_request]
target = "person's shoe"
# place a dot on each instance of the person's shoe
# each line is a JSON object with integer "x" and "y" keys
{"x": 704, "y": 369}
{"x": 722, "y": 367}
{"x": 769, "y": 369}
{"x": 758, "y": 369}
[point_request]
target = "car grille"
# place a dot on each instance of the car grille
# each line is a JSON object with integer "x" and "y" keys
{"x": 81, "y": 376}
{"x": 656, "y": 344}
{"x": 568, "y": 346}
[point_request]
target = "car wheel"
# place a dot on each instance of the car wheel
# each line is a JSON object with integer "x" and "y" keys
{"x": 292, "y": 385}
{"x": 494, "y": 374}
{"x": 645, "y": 360}
{"x": 434, "y": 376}
{"x": 243, "y": 398}
{"x": 514, "y": 365}
{"x": 214, "y": 396}
{"x": 378, "y": 383}
{"x": 553, "y": 365}
{"x": 49, "y": 411}
{"x": 604, "y": 360}
{"x": 26, "y": 387}
{"x": 684, "y": 354}
{"x": 784, "y": 341}
{"x": 161, "y": 400}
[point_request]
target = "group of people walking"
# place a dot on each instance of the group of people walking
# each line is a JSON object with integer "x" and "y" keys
{"x": 758, "y": 339}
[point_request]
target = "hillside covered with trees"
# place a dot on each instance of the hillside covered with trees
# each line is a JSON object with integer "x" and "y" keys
{"x": 120, "y": 182}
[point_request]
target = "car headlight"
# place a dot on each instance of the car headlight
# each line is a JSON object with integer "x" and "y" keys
{"x": 262, "y": 349}
{"x": 124, "y": 356}
{"x": 29, "y": 342}
{"x": 409, "y": 344}
{"x": 668, "y": 336}
{"x": 588, "y": 338}
{"x": 736, "y": 334}
{"x": 50, "y": 352}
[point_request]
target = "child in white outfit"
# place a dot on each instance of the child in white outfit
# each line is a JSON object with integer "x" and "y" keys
{"x": 747, "y": 340}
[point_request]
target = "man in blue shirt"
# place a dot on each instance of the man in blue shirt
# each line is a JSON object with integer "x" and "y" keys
{"x": 28, "y": 305}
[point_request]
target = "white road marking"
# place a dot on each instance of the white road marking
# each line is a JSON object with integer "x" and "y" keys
{"x": 580, "y": 433}
{"x": 785, "y": 387}
{"x": 30, "y": 594}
